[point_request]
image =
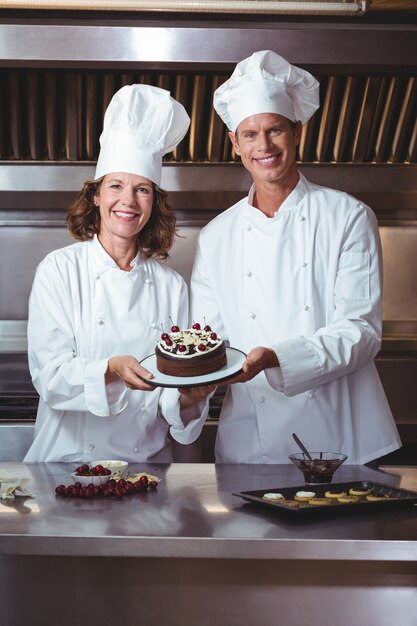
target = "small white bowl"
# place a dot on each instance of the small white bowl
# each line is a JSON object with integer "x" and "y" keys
{"x": 117, "y": 468}
{"x": 90, "y": 480}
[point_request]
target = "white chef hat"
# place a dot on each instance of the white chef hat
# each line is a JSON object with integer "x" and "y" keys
{"x": 266, "y": 83}
{"x": 141, "y": 124}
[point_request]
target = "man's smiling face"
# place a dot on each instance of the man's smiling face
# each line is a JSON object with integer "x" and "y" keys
{"x": 267, "y": 145}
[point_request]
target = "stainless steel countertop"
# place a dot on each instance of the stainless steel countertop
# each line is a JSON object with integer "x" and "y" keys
{"x": 193, "y": 514}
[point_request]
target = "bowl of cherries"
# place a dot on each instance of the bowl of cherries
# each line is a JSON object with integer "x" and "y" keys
{"x": 89, "y": 475}
{"x": 116, "y": 467}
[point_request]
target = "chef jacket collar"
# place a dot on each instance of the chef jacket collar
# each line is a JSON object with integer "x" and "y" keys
{"x": 103, "y": 261}
{"x": 290, "y": 203}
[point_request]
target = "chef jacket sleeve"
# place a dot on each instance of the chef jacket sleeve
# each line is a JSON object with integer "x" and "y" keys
{"x": 352, "y": 336}
{"x": 63, "y": 379}
{"x": 185, "y": 425}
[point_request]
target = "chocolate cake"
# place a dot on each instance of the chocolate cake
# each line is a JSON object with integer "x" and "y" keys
{"x": 190, "y": 352}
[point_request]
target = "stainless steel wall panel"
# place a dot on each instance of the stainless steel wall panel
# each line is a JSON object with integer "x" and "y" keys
{"x": 390, "y": 189}
{"x": 399, "y": 246}
{"x": 171, "y": 45}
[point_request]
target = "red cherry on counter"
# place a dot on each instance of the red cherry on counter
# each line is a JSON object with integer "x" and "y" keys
{"x": 196, "y": 326}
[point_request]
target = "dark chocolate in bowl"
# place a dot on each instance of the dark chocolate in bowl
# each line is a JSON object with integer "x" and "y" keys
{"x": 321, "y": 468}
{"x": 318, "y": 471}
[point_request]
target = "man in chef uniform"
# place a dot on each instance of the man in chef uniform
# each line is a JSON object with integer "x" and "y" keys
{"x": 291, "y": 275}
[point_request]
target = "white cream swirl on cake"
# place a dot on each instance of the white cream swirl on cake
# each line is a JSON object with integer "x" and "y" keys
{"x": 190, "y": 352}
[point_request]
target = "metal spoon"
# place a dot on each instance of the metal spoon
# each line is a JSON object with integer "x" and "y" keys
{"x": 302, "y": 446}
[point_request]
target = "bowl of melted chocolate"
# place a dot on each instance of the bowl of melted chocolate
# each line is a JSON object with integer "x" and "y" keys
{"x": 320, "y": 467}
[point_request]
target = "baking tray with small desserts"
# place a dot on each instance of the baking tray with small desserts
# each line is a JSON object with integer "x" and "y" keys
{"x": 355, "y": 495}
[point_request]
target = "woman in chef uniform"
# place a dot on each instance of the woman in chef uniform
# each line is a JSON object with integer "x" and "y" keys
{"x": 98, "y": 306}
{"x": 291, "y": 274}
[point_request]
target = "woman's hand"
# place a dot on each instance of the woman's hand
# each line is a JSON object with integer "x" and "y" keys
{"x": 128, "y": 369}
{"x": 257, "y": 360}
{"x": 192, "y": 395}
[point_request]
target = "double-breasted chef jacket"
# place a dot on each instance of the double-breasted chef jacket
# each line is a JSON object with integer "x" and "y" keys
{"x": 83, "y": 309}
{"x": 306, "y": 283}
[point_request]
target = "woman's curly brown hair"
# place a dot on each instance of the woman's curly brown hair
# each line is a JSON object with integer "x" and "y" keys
{"x": 154, "y": 240}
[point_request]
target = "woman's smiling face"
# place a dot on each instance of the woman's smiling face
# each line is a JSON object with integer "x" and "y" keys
{"x": 125, "y": 202}
{"x": 267, "y": 145}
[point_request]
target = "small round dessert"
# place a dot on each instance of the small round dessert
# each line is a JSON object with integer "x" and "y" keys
{"x": 304, "y": 496}
{"x": 348, "y": 499}
{"x": 319, "y": 501}
{"x": 290, "y": 503}
{"x": 273, "y": 497}
{"x": 335, "y": 494}
{"x": 190, "y": 352}
{"x": 373, "y": 498}
{"x": 359, "y": 492}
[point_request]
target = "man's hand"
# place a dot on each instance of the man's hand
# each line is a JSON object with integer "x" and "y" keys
{"x": 128, "y": 369}
{"x": 192, "y": 395}
{"x": 257, "y": 360}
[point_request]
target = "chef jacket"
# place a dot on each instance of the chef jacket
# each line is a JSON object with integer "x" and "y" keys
{"x": 83, "y": 309}
{"x": 306, "y": 283}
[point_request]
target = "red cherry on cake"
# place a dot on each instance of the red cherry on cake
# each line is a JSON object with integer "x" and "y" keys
{"x": 181, "y": 348}
{"x": 175, "y": 329}
{"x": 201, "y": 347}
{"x": 196, "y": 326}
{"x": 213, "y": 336}
{"x": 207, "y": 328}
{"x": 164, "y": 336}
{"x": 168, "y": 342}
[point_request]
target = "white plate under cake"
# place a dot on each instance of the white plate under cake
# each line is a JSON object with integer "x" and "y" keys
{"x": 235, "y": 359}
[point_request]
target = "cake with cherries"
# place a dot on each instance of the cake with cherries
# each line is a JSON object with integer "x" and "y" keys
{"x": 192, "y": 352}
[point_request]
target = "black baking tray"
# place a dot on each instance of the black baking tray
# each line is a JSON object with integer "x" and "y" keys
{"x": 397, "y": 497}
